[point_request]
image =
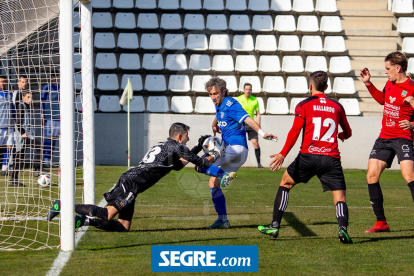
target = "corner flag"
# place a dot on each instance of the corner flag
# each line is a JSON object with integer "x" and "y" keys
{"x": 127, "y": 94}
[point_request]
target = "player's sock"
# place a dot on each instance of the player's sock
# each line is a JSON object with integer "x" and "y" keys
{"x": 92, "y": 210}
{"x": 212, "y": 170}
{"x": 411, "y": 186}
{"x": 342, "y": 215}
{"x": 377, "y": 200}
{"x": 107, "y": 225}
{"x": 281, "y": 202}
{"x": 219, "y": 202}
{"x": 257, "y": 153}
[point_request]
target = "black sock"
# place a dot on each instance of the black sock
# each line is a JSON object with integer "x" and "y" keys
{"x": 108, "y": 225}
{"x": 342, "y": 215}
{"x": 377, "y": 200}
{"x": 257, "y": 153}
{"x": 92, "y": 211}
{"x": 411, "y": 186}
{"x": 281, "y": 202}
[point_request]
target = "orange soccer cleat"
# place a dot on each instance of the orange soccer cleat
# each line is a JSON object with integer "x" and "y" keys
{"x": 380, "y": 226}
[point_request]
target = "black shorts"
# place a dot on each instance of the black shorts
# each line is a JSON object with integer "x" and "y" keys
{"x": 251, "y": 133}
{"x": 386, "y": 149}
{"x": 327, "y": 168}
{"x": 122, "y": 197}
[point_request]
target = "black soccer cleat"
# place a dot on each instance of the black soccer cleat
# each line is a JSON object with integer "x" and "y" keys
{"x": 54, "y": 211}
{"x": 79, "y": 220}
{"x": 344, "y": 237}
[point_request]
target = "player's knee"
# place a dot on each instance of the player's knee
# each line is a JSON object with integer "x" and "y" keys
{"x": 409, "y": 177}
{"x": 196, "y": 168}
{"x": 372, "y": 176}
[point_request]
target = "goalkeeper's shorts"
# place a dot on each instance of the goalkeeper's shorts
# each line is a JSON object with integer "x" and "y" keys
{"x": 235, "y": 156}
{"x": 122, "y": 197}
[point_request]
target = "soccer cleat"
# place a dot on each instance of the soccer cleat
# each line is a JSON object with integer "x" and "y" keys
{"x": 16, "y": 183}
{"x": 79, "y": 220}
{"x": 260, "y": 166}
{"x": 344, "y": 237}
{"x": 227, "y": 178}
{"x": 269, "y": 230}
{"x": 218, "y": 224}
{"x": 54, "y": 211}
{"x": 380, "y": 226}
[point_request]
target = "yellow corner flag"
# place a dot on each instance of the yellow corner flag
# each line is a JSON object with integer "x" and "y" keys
{"x": 127, "y": 95}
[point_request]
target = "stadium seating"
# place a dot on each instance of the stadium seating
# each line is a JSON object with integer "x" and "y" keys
{"x": 107, "y": 82}
{"x": 102, "y": 20}
{"x": 157, "y": 104}
{"x": 125, "y": 21}
{"x": 293, "y": 103}
{"x": 179, "y": 83}
{"x": 168, "y": 4}
{"x": 281, "y": 5}
{"x": 344, "y": 85}
{"x": 239, "y": 22}
{"x": 181, "y": 104}
{"x": 258, "y": 5}
{"x": 199, "y": 81}
{"x": 292, "y": 64}
{"x": 77, "y": 42}
{"x": 340, "y": 65}
{"x": 246, "y": 63}
{"x": 174, "y": 42}
{"x": 303, "y": 6}
{"x": 405, "y": 25}
{"x": 269, "y": 63}
{"x": 78, "y": 103}
{"x": 243, "y": 43}
{"x": 145, "y": 4}
{"x": 200, "y": 62}
{"x": 77, "y": 61}
{"x": 147, "y": 21}
{"x": 128, "y": 41}
{"x": 151, "y": 41}
{"x": 231, "y": 83}
{"x": 109, "y": 104}
{"x": 297, "y": 85}
{"x": 410, "y": 69}
{"x": 311, "y": 43}
{"x": 197, "y": 42}
{"x": 277, "y": 106}
{"x": 402, "y": 6}
{"x": 326, "y": 6}
{"x": 191, "y": 4}
{"x": 273, "y": 84}
{"x": 204, "y": 105}
{"x": 329, "y": 88}
{"x": 136, "y": 81}
{"x": 136, "y": 105}
{"x": 216, "y": 22}
{"x": 408, "y": 45}
{"x": 316, "y": 63}
{"x": 106, "y": 61}
{"x": 213, "y": 5}
{"x": 171, "y": 21}
{"x": 334, "y": 44}
{"x": 219, "y": 42}
{"x": 289, "y": 43}
{"x": 122, "y": 4}
{"x": 308, "y": 24}
{"x": 155, "y": 83}
{"x": 285, "y": 23}
{"x": 236, "y": 5}
{"x": 266, "y": 43}
{"x": 351, "y": 106}
{"x": 152, "y": 62}
{"x": 253, "y": 80}
{"x": 194, "y": 22}
{"x": 223, "y": 63}
{"x": 262, "y": 23}
{"x": 76, "y": 20}
{"x": 102, "y": 4}
{"x": 331, "y": 24}
{"x": 129, "y": 62}
{"x": 78, "y": 81}
{"x": 262, "y": 109}
{"x": 104, "y": 41}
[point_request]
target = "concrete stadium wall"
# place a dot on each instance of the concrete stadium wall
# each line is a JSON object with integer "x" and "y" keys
{"x": 149, "y": 128}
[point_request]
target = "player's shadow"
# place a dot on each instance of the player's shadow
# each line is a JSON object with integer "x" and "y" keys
{"x": 299, "y": 226}
{"x": 322, "y": 223}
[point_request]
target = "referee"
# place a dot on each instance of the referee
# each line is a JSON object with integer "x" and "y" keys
{"x": 250, "y": 104}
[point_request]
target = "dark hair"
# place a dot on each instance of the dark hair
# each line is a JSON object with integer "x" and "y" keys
{"x": 22, "y": 76}
{"x": 178, "y": 128}
{"x": 217, "y": 83}
{"x": 251, "y": 86}
{"x": 3, "y": 77}
{"x": 319, "y": 80}
{"x": 397, "y": 58}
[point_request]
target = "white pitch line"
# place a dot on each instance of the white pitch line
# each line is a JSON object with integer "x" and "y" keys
{"x": 64, "y": 257}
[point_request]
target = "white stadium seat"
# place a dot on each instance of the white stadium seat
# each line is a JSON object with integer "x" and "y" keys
{"x": 106, "y": 61}
{"x": 128, "y": 41}
{"x": 109, "y": 104}
{"x": 174, "y": 42}
{"x": 408, "y": 45}
{"x": 191, "y": 4}
{"x": 311, "y": 43}
{"x": 243, "y": 43}
{"x": 266, "y": 43}
{"x": 102, "y": 20}
{"x": 104, "y": 41}
{"x": 340, "y": 65}
{"x": 292, "y": 64}
{"x": 102, "y": 4}
{"x": 152, "y": 62}
{"x": 136, "y": 81}
{"x": 168, "y": 4}
{"x": 147, "y": 21}
{"x": 281, "y": 5}
{"x": 129, "y": 62}
{"x": 351, "y": 106}
{"x": 198, "y": 83}
{"x": 122, "y": 4}
{"x": 176, "y": 62}
{"x": 194, "y": 22}
{"x": 259, "y": 5}
{"x": 125, "y": 20}
{"x": 231, "y": 83}
{"x": 246, "y": 63}
{"x": 145, "y": 4}
{"x": 303, "y": 6}
{"x": 220, "y": 42}
{"x": 405, "y": 25}
{"x": 197, "y": 42}
{"x": 277, "y": 105}
{"x": 213, "y": 5}
{"x": 289, "y": 43}
{"x": 171, "y": 21}
{"x": 331, "y": 24}
{"x": 223, "y": 63}
{"x": 253, "y": 80}
{"x": 269, "y": 64}
{"x": 200, "y": 63}
{"x": 334, "y": 44}
{"x": 297, "y": 85}
{"x": 316, "y": 63}
{"x": 285, "y": 23}
{"x": 204, "y": 105}
{"x": 344, "y": 85}
{"x": 293, "y": 103}
{"x": 78, "y": 103}
{"x": 107, "y": 82}
{"x": 136, "y": 105}
{"x": 410, "y": 69}
{"x": 329, "y": 88}
{"x": 181, "y": 104}
{"x": 157, "y": 104}
{"x": 273, "y": 84}
{"x": 151, "y": 41}
{"x": 77, "y": 60}
{"x": 326, "y": 6}
{"x": 155, "y": 83}
{"x": 260, "y": 101}
{"x": 236, "y": 5}
{"x": 179, "y": 83}
{"x": 402, "y": 6}
{"x": 308, "y": 24}
{"x": 216, "y": 22}
{"x": 239, "y": 22}
{"x": 262, "y": 23}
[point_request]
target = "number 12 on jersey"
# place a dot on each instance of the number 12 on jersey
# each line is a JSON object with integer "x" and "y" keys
{"x": 328, "y": 122}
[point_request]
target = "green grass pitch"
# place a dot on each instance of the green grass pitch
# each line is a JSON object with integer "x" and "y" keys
{"x": 177, "y": 209}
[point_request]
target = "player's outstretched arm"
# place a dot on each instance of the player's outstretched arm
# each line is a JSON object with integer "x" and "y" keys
{"x": 257, "y": 128}
{"x": 375, "y": 93}
{"x": 347, "y": 131}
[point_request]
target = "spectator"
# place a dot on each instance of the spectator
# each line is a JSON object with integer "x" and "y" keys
{"x": 6, "y": 131}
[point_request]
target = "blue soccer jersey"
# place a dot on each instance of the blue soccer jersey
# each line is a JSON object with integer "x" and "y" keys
{"x": 230, "y": 116}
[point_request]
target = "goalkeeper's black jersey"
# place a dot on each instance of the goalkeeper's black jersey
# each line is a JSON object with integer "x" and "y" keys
{"x": 158, "y": 162}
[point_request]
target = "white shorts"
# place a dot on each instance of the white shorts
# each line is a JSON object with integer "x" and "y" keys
{"x": 235, "y": 156}
{"x": 6, "y": 136}
{"x": 52, "y": 128}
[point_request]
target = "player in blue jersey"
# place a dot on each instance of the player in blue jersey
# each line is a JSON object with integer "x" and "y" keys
{"x": 229, "y": 121}
{"x": 6, "y": 123}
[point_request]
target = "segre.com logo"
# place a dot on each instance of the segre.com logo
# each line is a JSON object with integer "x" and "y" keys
{"x": 205, "y": 258}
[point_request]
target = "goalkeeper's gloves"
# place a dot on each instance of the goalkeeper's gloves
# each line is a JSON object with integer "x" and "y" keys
{"x": 217, "y": 154}
{"x": 201, "y": 140}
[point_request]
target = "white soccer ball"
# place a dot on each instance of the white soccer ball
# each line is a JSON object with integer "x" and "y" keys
{"x": 213, "y": 144}
{"x": 44, "y": 181}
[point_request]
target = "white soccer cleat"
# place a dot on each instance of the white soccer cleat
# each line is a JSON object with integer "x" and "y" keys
{"x": 227, "y": 179}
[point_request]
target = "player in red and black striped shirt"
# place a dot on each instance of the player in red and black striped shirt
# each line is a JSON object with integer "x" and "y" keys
{"x": 319, "y": 117}
{"x": 395, "y": 137}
